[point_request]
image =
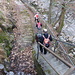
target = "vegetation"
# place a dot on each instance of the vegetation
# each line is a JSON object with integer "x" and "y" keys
{"x": 7, "y": 47}
{"x": 4, "y": 38}
{"x": 37, "y": 65}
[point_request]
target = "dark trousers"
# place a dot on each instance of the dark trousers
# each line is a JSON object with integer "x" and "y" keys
{"x": 36, "y": 20}
{"x": 45, "y": 51}
{"x": 41, "y": 49}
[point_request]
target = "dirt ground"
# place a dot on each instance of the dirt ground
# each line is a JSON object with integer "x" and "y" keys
{"x": 21, "y": 54}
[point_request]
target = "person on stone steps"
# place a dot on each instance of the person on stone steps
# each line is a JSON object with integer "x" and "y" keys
{"x": 47, "y": 38}
{"x": 39, "y": 25}
{"x": 39, "y": 38}
{"x": 36, "y": 16}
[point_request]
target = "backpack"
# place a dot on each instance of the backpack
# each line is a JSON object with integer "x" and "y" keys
{"x": 39, "y": 25}
{"x": 46, "y": 41}
{"x": 38, "y": 37}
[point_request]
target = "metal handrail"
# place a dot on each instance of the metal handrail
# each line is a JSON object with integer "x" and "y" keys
{"x": 68, "y": 64}
{"x": 63, "y": 52}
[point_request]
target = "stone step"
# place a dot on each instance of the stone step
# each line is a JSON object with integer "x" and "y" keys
{"x": 47, "y": 61}
{"x": 73, "y": 73}
{"x": 58, "y": 65}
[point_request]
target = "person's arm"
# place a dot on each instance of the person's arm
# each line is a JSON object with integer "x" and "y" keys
{"x": 36, "y": 25}
{"x": 41, "y": 24}
{"x": 50, "y": 38}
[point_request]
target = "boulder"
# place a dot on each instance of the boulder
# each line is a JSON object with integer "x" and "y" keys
{"x": 11, "y": 73}
{"x": 2, "y": 69}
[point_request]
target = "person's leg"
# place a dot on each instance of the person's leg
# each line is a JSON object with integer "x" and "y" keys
{"x": 41, "y": 49}
{"x": 37, "y": 19}
{"x": 45, "y": 51}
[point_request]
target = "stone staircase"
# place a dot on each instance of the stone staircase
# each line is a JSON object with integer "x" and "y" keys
{"x": 59, "y": 66}
{"x": 52, "y": 65}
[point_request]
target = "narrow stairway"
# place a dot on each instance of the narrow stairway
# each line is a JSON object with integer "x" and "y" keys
{"x": 53, "y": 64}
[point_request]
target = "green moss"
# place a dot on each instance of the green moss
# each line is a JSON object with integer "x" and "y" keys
{"x": 38, "y": 67}
{"x": 7, "y": 47}
{"x": 33, "y": 52}
{"x": 8, "y": 52}
{"x": 3, "y": 37}
{"x": 48, "y": 71}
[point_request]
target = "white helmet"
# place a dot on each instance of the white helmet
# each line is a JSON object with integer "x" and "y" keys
{"x": 44, "y": 30}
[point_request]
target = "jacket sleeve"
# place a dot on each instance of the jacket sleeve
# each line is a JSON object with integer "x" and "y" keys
{"x": 50, "y": 38}
{"x": 41, "y": 24}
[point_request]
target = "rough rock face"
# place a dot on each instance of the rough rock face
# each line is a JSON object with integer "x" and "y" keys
{"x": 6, "y": 20}
{"x": 21, "y": 60}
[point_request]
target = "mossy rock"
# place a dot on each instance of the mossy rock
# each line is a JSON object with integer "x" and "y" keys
{"x": 2, "y": 55}
{"x": 3, "y": 37}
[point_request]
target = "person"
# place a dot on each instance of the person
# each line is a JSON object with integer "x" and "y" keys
{"x": 39, "y": 38}
{"x": 36, "y": 17}
{"x": 47, "y": 38}
{"x": 39, "y": 25}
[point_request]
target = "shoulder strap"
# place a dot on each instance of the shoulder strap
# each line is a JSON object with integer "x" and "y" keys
{"x": 43, "y": 36}
{"x": 48, "y": 36}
